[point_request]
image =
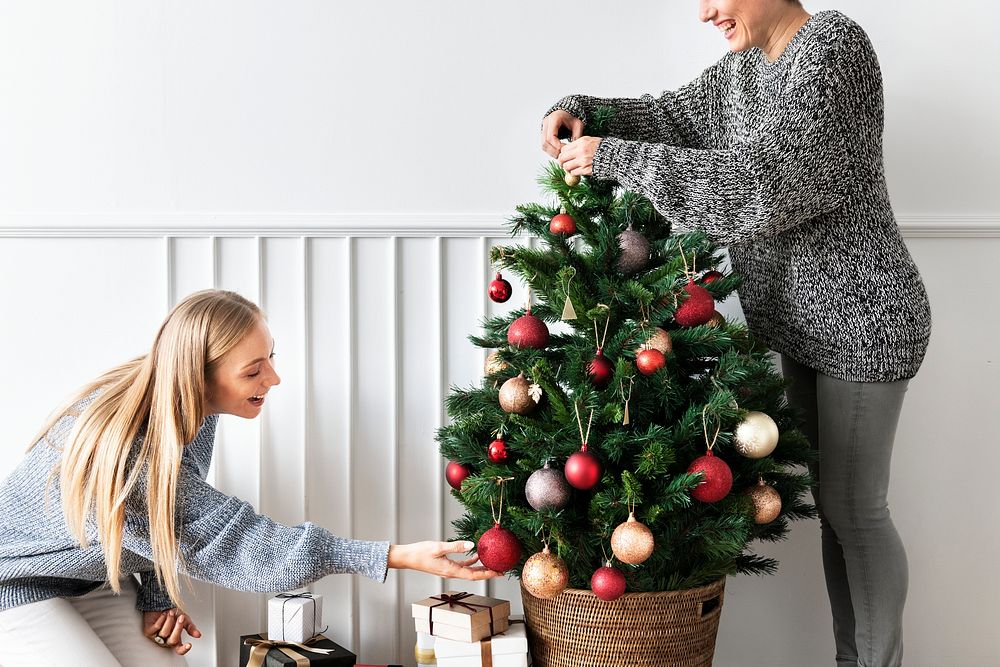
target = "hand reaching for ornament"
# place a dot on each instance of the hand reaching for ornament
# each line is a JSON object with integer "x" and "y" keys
{"x": 553, "y": 124}
{"x": 577, "y": 157}
{"x": 432, "y": 557}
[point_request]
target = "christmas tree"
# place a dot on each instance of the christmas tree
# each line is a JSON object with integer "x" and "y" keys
{"x": 650, "y": 437}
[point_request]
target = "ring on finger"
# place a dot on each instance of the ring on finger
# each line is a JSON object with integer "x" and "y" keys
{"x": 160, "y": 640}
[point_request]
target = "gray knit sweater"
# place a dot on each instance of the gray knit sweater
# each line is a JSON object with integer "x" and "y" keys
{"x": 782, "y": 162}
{"x": 222, "y": 539}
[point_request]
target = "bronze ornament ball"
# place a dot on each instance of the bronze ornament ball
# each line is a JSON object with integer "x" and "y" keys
{"x": 634, "y": 252}
{"x": 547, "y": 489}
{"x": 717, "y": 321}
{"x": 632, "y": 542}
{"x": 756, "y": 436}
{"x": 545, "y": 575}
{"x": 515, "y": 397}
{"x": 494, "y": 364}
{"x": 766, "y": 502}
{"x": 658, "y": 340}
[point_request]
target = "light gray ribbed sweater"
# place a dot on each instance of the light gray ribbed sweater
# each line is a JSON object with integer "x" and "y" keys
{"x": 222, "y": 539}
{"x": 782, "y": 162}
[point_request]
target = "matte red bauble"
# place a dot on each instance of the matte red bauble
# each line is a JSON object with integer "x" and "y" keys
{"x": 600, "y": 370}
{"x": 698, "y": 307}
{"x": 583, "y": 470}
{"x": 649, "y": 361}
{"x": 563, "y": 224}
{"x": 497, "y": 452}
{"x": 608, "y": 583}
{"x": 456, "y": 473}
{"x": 499, "y": 549}
{"x": 500, "y": 289}
{"x": 710, "y": 277}
{"x": 717, "y": 481}
{"x": 528, "y": 331}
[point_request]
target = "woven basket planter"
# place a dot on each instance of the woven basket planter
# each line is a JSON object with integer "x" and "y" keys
{"x": 668, "y": 629}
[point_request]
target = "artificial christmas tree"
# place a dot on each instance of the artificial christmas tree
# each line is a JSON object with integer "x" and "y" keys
{"x": 671, "y": 379}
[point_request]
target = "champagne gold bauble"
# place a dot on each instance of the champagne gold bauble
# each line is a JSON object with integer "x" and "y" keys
{"x": 494, "y": 364}
{"x": 756, "y": 436}
{"x": 515, "y": 396}
{"x": 716, "y": 321}
{"x": 572, "y": 181}
{"x": 545, "y": 575}
{"x": 659, "y": 340}
{"x": 632, "y": 542}
{"x": 766, "y": 502}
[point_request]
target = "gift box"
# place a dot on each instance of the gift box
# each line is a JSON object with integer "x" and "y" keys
{"x": 294, "y": 617}
{"x": 509, "y": 649}
{"x": 461, "y": 616}
{"x": 259, "y": 651}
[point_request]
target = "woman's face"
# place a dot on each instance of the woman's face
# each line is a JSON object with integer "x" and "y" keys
{"x": 244, "y": 376}
{"x": 744, "y": 23}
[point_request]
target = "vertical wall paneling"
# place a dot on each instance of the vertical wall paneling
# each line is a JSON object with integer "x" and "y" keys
{"x": 441, "y": 386}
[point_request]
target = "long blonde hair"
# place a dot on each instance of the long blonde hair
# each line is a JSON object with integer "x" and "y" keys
{"x": 163, "y": 393}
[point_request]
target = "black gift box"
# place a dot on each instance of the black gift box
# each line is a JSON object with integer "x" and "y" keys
{"x": 338, "y": 657}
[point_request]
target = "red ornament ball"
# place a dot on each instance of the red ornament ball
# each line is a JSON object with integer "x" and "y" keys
{"x": 697, "y": 308}
{"x": 500, "y": 289}
{"x": 649, "y": 361}
{"x": 497, "y": 452}
{"x": 608, "y": 583}
{"x": 711, "y": 277}
{"x": 600, "y": 370}
{"x": 529, "y": 331}
{"x": 563, "y": 224}
{"x": 583, "y": 470}
{"x": 456, "y": 473}
{"x": 499, "y": 549}
{"x": 718, "y": 479}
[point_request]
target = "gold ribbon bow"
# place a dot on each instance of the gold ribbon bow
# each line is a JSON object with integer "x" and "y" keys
{"x": 260, "y": 647}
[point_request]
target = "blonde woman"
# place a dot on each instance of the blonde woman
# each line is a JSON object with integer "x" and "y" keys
{"x": 114, "y": 486}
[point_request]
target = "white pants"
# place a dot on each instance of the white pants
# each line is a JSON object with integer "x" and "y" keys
{"x": 99, "y": 629}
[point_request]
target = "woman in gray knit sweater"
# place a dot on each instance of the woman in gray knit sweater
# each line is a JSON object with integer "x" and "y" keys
{"x": 125, "y": 460}
{"x": 776, "y": 151}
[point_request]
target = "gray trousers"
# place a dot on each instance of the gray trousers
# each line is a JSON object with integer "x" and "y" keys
{"x": 853, "y": 425}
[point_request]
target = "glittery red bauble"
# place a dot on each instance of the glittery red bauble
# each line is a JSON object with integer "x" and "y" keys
{"x": 608, "y": 583}
{"x": 718, "y": 479}
{"x": 500, "y": 289}
{"x": 649, "y": 361}
{"x": 600, "y": 370}
{"x": 497, "y": 451}
{"x": 698, "y": 307}
{"x": 499, "y": 549}
{"x": 456, "y": 473}
{"x": 563, "y": 224}
{"x": 710, "y": 277}
{"x": 583, "y": 470}
{"x": 528, "y": 331}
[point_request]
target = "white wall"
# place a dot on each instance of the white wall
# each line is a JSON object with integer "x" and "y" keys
{"x": 366, "y": 152}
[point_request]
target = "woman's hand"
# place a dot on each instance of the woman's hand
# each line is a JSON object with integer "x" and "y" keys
{"x": 551, "y": 125}
{"x": 168, "y": 626}
{"x": 577, "y": 158}
{"x": 432, "y": 557}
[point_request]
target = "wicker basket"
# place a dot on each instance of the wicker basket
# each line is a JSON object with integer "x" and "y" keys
{"x": 668, "y": 629}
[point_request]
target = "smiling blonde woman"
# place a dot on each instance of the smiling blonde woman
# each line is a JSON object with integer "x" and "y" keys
{"x": 114, "y": 485}
{"x": 776, "y": 152}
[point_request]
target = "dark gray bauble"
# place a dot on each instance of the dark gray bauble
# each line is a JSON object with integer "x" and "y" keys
{"x": 635, "y": 252}
{"x": 547, "y": 489}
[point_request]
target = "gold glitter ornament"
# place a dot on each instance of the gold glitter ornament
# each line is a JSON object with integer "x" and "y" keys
{"x": 632, "y": 542}
{"x": 494, "y": 364}
{"x": 572, "y": 181}
{"x": 545, "y": 574}
{"x": 717, "y": 321}
{"x": 515, "y": 396}
{"x": 658, "y": 340}
{"x": 756, "y": 436}
{"x": 766, "y": 502}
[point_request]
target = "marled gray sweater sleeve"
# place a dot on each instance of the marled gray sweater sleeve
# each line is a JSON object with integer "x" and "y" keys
{"x": 223, "y": 540}
{"x": 795, "y": 167}
{"x": 677, "y": 118}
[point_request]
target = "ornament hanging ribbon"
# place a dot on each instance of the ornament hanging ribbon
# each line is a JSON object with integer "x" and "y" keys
{"x": 704, "y": 426}
{"x": 583, "y": 438}
{"x": 626, "y": 421}
{"x": 569, "y": 313}
{"x": 600, "y": 341}
{"x": 455, "y": 600}
{"x": 259, "y": 649}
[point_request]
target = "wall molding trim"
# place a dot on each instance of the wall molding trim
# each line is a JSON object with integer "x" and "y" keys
{"x": 140, "y": 225}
